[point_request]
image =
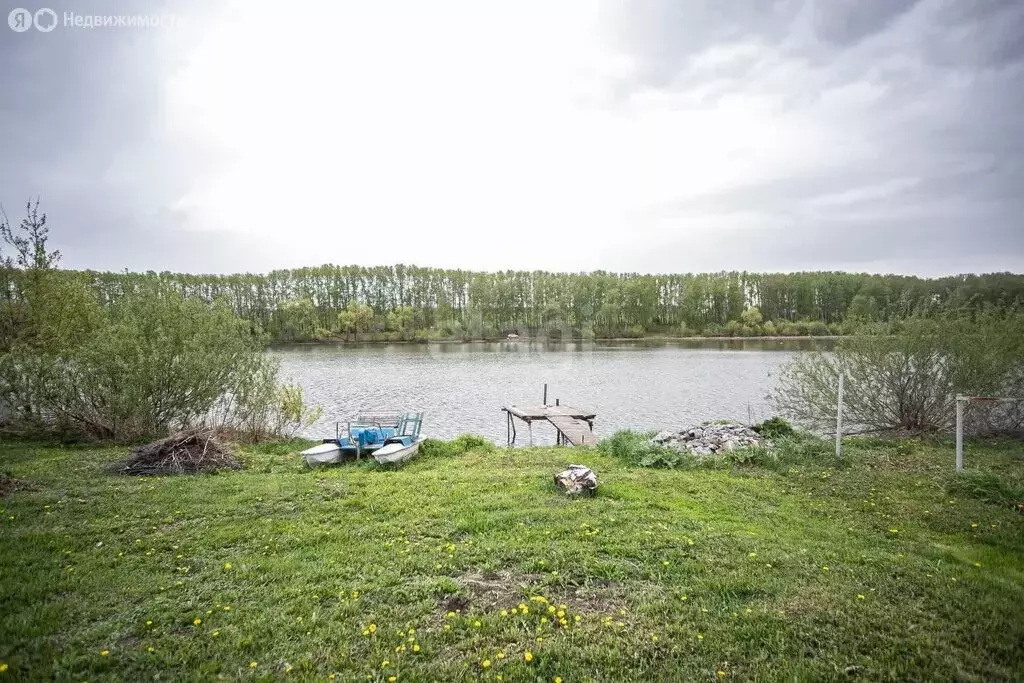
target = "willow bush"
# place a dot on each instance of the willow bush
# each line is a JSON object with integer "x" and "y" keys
{"x": 909, "y": 379}
{"x": 147, "y": 363}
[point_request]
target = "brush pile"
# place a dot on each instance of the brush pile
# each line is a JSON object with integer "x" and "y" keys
{"x": 187, "y": 452}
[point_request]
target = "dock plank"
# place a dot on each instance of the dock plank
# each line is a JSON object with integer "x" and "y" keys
{"x": 577, "y": 432}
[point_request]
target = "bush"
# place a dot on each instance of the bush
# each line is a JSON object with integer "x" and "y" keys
{"x": 774, "y": 427}
{"x": 908, "y": 380}
{"x": 154, "y": 362}
{"x": 460, "y": 445}
{"x": 636, "y": 448}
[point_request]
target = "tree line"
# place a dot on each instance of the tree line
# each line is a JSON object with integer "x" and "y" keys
{"x": 410, "y": 302}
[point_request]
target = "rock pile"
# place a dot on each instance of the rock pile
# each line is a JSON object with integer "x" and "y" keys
{"x": 710, "y": 439}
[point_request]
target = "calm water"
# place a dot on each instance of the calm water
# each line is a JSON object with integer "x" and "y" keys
{"x": 462, "y": 387}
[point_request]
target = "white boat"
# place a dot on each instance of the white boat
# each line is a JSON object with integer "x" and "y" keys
{"x": 324, "y": 454}
{"x": 398, "y": 451}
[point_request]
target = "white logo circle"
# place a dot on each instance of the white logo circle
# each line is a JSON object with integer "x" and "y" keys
{"x": 20, "y": 20}
{"x": 46, "y": 20}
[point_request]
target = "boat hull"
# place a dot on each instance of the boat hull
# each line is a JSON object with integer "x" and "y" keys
{"x": 324, "y": 454}
{"x": 396, "y": 453}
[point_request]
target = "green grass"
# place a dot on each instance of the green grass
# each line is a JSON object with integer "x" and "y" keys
{"x": 887, "y": 569}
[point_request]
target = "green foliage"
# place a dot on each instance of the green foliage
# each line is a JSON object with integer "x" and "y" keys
{"x": 295, "y": 320}
{"x": 774, "y": 427}
{"x": 461, "y": 445}
{"x": 636, "y": 448}
{"x": 611, "y": 304}
{"x": 987, "y": 486}
{"x": 751, "y": 316}
{"x": 355, "y": 318}
{"x": 908, "y": 380}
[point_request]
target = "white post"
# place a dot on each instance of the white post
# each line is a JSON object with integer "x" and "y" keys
{"x": 839, "y": 419}
{"x": 530, "y": 425}
{"x": 960, "y": 433}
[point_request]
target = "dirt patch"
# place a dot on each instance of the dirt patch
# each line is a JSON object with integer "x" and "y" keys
{"x": 487, "y": 591}
{"x": 492, "y": 591}
{"x": 9, "y": 485}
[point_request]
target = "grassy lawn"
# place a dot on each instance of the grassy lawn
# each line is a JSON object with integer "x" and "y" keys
{"x": 475, "y": 568}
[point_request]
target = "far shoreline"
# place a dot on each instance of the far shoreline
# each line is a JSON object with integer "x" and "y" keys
{"x": 534, "y": 340}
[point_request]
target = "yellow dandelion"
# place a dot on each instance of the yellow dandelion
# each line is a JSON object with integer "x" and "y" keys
{"x": 149, "y": 623}
{"x": 149, "y": 649}
{"x": 551, "y": 609}
{"x": 504, "y": 612}
{"x": 524, "y": 610}
{"x": 700, "y": 636}
{"x": 450, "y": 615}
{"x": 252, "y": 665}
{"x": 859, "y": 596}
{"x": 366, "y": 632}
{"x": 528, "y": 656}
{"x": 385, "y": 663}
{"x": 543, "y": 620}
{"x": 215, "y": 634}
{"x": 227, "y": 608}
{"x": 752, "y": 555}
{"x": 721, "y": 674}
{"x": 331, "y": 677}
{"x": 825, "y": 568}
{"x": 392, "y": 679}
{"x": 104, "y": 653}
{"x": 561, "y": 613}
{"x": 515, "y": 611}
{"x": 227, "y": 565}
{"x": 197, "y": 621}
{"x": 683, "y": 598}
{"x": 500, "y": 655}
{"x": 558, "y": 679}
{"x": 654, "y": 638}
{"x": 372, "y": 628}
{"x": 576, "y": 618}
{"x": 3, "y": 667}
{"x": 477, "y": 624}
{"x": 894, "y": 531}
{"x": 415, "y": 648}
{"x": 447, "y": 627}
{"x": 486, "y": 663}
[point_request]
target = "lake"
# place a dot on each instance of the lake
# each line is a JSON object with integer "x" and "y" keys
{"x": 646, "y": 384}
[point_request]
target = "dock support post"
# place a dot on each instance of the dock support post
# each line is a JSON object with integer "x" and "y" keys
{"x": 529, "y": 423}
{"x": 545, "y": 402}
{"x": 960, "y": 433}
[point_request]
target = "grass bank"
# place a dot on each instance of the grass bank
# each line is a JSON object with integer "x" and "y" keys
{"x": 473, "y": 567}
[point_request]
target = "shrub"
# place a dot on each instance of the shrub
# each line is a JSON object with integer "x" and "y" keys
{"x": 774, "y": 427}
{"x": 908, "y": 380}
{"x": 636, "y": 448}
{"x": 460, "y": 445}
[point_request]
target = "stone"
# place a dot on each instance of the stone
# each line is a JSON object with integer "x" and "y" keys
{"x": 576, "y": 480}
{"x": 710, "y": 439}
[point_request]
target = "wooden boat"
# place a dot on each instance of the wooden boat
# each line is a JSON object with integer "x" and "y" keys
{"x": 397, "y": 450}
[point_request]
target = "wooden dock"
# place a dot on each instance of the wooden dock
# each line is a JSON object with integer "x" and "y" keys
{"x": 574, "y": 427}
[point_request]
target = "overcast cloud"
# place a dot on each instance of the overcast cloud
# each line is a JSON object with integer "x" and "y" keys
{"x": 656, "y": 135}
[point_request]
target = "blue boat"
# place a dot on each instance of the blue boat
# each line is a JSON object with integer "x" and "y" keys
{"x": 390, "y": 438}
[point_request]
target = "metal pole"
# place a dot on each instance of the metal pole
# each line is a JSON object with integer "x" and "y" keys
{"x": 545, "y": 394}
{"x": 839, "y": 419}
{"x": 959, "y": 434}
{"x": 529, "y": 424}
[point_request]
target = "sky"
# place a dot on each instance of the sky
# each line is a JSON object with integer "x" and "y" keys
{"x": 622, "y": 135}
